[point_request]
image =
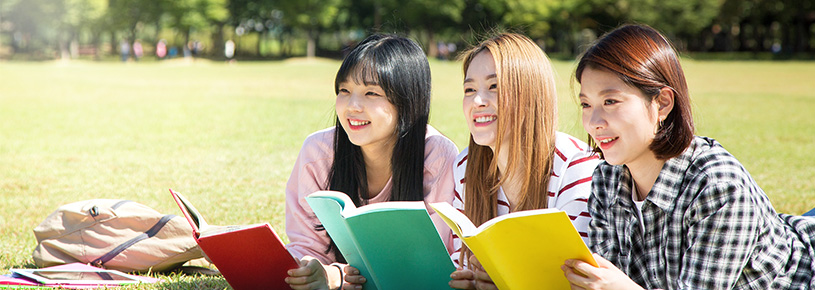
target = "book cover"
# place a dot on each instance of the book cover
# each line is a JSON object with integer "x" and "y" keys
{"x": 249, "y": 257}
{"x": 16, "y": 281}
{"x": 521, "y": 250}
{"x": 393, "y": 244}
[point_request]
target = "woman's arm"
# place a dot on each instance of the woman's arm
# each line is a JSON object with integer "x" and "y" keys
{"x": 438, "y": 185}
{"x": 305, "y": 242}
{"x": 304, "y": 239}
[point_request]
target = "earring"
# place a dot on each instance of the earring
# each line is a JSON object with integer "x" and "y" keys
{"x": 659, "y": 127}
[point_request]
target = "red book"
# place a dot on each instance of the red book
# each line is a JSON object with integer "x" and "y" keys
{"x": 249, "y": 257}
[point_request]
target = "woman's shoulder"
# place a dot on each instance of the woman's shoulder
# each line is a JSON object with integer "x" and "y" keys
{"x": 568, "y": 146}
{"x": 706, "y": 171}
{"x": 439, "y": 151}
{"x": 460, "y": 165}
{"x": 438, "y": 144}
{"x": 319, "y": 145}
{"x": 322, "y": 136}
{"x": 571, "y": 152}
{"x": 435, "y": 138}
{"x": 709, "y": 158}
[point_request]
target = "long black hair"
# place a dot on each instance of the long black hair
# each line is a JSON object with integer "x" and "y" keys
{"x": 400, "y": 67}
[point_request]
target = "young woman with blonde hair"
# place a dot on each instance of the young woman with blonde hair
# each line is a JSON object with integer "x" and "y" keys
{"x": 516, "y": 159}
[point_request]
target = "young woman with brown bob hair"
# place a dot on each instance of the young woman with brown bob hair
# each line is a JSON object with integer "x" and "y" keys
{"x": 671, "y": 210}
{"x": 516, "y": 159}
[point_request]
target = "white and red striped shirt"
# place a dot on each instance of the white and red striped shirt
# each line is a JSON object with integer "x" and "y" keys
{"x": 569, "y": 186}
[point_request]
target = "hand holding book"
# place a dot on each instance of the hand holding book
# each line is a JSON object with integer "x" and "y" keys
{"x": 521, "y": 250}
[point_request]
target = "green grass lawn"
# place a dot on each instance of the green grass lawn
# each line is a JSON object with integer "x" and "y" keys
{"x": 227, "y": 135}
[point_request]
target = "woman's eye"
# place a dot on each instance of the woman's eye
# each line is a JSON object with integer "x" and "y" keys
{"x": 493, "y": 86}
{"x": 372, "y": 94}
{"x": 584, "y": 105}
{"x": 468, "y": 90}
{"x": 610, "y": 102}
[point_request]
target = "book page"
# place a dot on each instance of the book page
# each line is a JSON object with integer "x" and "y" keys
{"x": 515, "y": 215}
{"x": 457, "y": 221}
{"x": 216, "y": 230}
{"x": 191, "y": 212}
{"x": 382, "y": 206}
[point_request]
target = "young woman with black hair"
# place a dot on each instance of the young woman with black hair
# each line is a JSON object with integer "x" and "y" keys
{"x": 380, "y": 149}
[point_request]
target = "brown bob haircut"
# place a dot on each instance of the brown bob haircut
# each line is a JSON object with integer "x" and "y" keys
{"x": 643, "y": 58}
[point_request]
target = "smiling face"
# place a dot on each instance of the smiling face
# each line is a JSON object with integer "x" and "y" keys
{"x": 480, "y": 102}
{"x": 619, "y": 117}
{"x": 367, "y": 116}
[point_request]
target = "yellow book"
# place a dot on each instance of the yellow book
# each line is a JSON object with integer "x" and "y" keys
{"x": 521, "y": 250}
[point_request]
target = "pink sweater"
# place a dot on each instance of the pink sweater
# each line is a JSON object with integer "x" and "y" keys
{"x": 310, "y": 174}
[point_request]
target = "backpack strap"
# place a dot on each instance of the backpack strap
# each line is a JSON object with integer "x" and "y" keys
{"x": 99, "y": 262}
{"x": 120, "y": 203}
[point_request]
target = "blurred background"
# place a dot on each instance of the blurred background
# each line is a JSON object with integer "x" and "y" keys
{"x": 273, "y": 29}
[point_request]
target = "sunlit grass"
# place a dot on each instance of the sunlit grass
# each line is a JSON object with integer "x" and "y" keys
{"x": 227, "y": 135}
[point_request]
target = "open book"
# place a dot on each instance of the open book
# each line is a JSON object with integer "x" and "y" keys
{"x": 249, "y": 257}
{"x": 521, "y": 250}
{"x": 393, "y": 244}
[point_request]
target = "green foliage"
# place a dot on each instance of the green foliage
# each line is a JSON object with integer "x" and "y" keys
{"x": 562, "y": 26}
{"x": 687, "y": 17}
{"x": 533, "y": 15}
{"x": 309, "y": 14}
{"x": 126, "y": 15}
{"x": 84, "y": 13}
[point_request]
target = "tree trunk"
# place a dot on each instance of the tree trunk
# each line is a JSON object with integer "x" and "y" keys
{"x": 259, "y": 45}
{"x": 432, "y": 47}
{"x": 218, "y": 41}
{"x": 63, "y": 43}
{"x": 1, "y": 38}
{"x": 758, "y": 35}
{"x": 743, "y": 36}
{"x": 311, "y": 43}
{"x": 97, "y": 49}
{"x": 114, "y": 45}
{"x": 801, "y": 41}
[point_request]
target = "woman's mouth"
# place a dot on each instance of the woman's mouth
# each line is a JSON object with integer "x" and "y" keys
{"x": 485, "y": 120}
{"x": 606, "y": 143}
{"x": 357, "y": 124}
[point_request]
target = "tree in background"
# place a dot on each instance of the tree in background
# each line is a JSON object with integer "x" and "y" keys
{"x": 310, "y": 16}
{"x": 35, "y": 25}
{"x": 54, "y": 28}
{"x": 187, "y": 16}
{"x": 128, "y": 17}
{"x": 82, "y": 17}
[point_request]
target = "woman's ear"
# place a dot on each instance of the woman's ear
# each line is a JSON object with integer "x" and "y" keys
{"x": 665, "y": 102}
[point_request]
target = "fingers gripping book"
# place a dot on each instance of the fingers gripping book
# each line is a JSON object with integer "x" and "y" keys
{"x": 249, "y": 257}
{"x": 393, "y": 244}
{"x": 521, "y": 250}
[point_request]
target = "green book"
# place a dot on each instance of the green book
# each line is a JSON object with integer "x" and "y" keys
{"x": 393, "y": 244}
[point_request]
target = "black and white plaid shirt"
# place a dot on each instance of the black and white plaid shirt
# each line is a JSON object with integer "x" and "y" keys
{"x": 707, "y": 226}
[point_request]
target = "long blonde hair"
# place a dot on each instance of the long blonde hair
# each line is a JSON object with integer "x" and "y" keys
{"x": 527, "y": 114}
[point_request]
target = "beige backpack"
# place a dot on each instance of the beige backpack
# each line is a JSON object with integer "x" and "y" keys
{"x": 114, "y": 234}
